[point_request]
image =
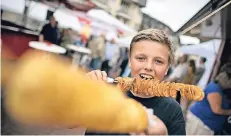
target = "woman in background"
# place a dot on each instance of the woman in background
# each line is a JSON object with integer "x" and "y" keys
{"x": 189, "y": 78}
{"x": 66, "y": 38}
{"x": 208, "y": 116}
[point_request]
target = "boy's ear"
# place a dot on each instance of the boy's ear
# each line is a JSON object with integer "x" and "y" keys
{"x": 166, "y": 72}
{"x": 129, "y": 63}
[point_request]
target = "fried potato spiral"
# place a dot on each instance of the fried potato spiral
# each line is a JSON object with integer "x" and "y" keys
{"x": 154, "y": 87}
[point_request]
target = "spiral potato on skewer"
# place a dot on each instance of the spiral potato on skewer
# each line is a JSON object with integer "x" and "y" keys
{"x": 154, "y": 87}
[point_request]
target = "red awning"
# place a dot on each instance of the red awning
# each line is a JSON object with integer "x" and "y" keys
{"x": 85, "y": 5}
{"x": 84, "y": 20}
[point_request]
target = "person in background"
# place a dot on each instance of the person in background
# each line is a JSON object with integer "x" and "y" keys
{"x": 227, "y": 125}
{"x": 179, "y": 73}
{"x": 124, "y": 62}
{"x": 58, "y": 32}
{"x": 66, "y": 37}
{"x": 50, "y": 32}
{"x": 97, "y": 47}
{"x": 77, "y": 39}
{"x": 112, "y": 54}
{"x": 208, "y": 116}
{"x": 83, "y": 41}
{"x": 89, "y": 40}
{"x": 86, "y": 59}
{"x": 180, "y": 70}
{"x": 188, "y": 79}
{"x": 200, "y": 70}
{"x": 226, "y": 67}
{"x": 226, "y": 128}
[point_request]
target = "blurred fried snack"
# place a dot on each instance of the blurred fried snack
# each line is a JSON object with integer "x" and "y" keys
{"x": 6, "y": 70}
{"x": 153, "y": 87}
{"x": 45, "y": 90}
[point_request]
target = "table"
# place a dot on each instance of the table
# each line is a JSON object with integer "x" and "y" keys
{"x": 47, "y": 47}
{"x": 79, "y": 49}
{"x": 79, "y": 53}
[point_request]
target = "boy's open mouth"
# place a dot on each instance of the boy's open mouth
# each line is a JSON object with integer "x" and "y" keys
{"x": 145, "y": 76}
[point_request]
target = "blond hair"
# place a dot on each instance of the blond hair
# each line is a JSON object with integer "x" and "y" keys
{"x": 155, "y": 35}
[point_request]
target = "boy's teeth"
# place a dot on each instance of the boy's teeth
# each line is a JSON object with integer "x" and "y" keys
{"x": 146, "y": 76}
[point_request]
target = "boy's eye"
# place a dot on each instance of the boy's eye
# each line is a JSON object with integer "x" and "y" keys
{"x": 158, "y": 61}
{"x": 140, "y": 58}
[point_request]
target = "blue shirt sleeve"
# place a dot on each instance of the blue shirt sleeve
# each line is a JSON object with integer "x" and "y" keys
{"x": 213, "y": 88}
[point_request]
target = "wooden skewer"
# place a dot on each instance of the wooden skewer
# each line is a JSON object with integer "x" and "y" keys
{"x": 111, "y": 80}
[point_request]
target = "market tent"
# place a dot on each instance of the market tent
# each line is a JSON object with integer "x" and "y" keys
{"x": 67, "y": 20}
{"x": 205, "y": 49}
{"x": 125, "y": 41}
{"x": 186, "y": 40}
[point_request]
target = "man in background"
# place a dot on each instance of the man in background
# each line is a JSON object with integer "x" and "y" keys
{"x": 97, "y": 47}
{"x": 112, "y": 54}
{"x": 179, "y": 73}
{"x": 200, "y": 70}
{"x": 50, "y": 32}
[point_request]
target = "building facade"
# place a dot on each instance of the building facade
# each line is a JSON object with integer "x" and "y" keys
{"x": 149, "y": 22}
{"x": 127, "y": 11}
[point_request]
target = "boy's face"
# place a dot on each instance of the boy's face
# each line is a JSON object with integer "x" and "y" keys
{"x": 150, "y": 59}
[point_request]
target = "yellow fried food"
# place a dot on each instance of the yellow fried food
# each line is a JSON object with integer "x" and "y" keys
{"x": 47, "y": 91}
{"x": 153, "y": 87}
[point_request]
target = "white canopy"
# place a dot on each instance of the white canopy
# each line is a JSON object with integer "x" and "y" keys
{"x": 103, "y": 16}
{"x": 206, "y": 49}
{"x": 16, "y": 6}
{"x": 125, "y": 42}
{"x": 67, "y": 20}
{"x": 188, "y": 40}
{"x": 111, "y": 35}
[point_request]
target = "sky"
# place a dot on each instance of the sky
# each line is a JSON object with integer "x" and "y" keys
{"x": 173, "y": 13}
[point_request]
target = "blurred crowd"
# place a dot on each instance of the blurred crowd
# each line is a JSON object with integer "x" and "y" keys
{"x": 185, "y": 71}
{"x": 211, "y": 115}
{"x": 106, "y": 54}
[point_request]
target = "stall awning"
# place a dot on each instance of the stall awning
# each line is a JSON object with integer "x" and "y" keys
{"x": 187, "y": 40}
{"x": 125, "y": 41}
{"x": 205, "y": 49}
{"x": 18, "y": 6}
{"x": 67, "y": 20}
